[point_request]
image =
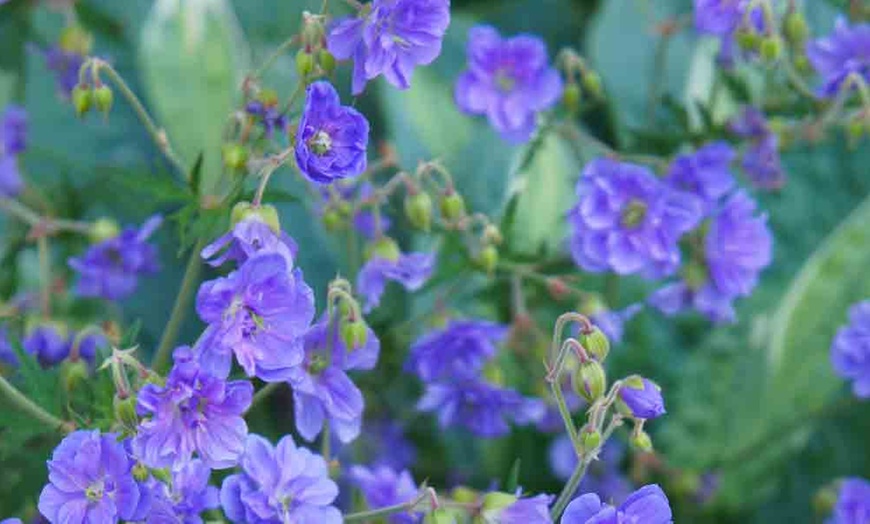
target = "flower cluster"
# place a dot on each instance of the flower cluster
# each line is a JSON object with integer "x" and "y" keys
{"x": 390, "y": 38}
{"x": 761, "y": 161}
{"x": 508, "y": 80}
{"x": 451, "y": 362}
{"x": 51, "y": 344}
{"x": 13, "y": 141}
{"x": 850, "y": 351}
{"x": 841, "y": 58}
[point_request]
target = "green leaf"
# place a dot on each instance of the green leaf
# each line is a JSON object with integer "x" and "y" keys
{"x": 513, "y": 478}
{"x": 193, "y": 56}
{"x": 195, "y": 178}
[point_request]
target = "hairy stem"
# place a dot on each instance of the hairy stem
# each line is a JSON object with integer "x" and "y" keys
{"x": 20, "y": 401}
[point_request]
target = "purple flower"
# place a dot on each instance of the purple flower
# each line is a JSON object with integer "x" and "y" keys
{"x": 187, "y": 497}
{"x": 284, "y": 483}
{"x": 643, "y": 398}
{"x": 508, "y": 80}
{"x": 381, "y": 486}
{"x": 321, "y": 387}
{"x": 13, "y": 130}
{"x": 390, "y": 38}
{"x": 384, "y": 443}
{"x": 458, "y": 350}
{"x": 737, "y": 247}
{"x": 260, "y": 313}
{"x": 12, "y": 520}
{"x": 841, "y": 55}
{"x": 269, "y": 116}
{"x": 412, "y": 270}
{"x": 761, "y": 160}
{"x": 853, "y": 503}
{"x": 89, "y": 344}
{"x": 627, "y": 221}
{"x": 193, "y": 413}
{"x": 719, "y": 17}
{"x": 90, "y": 480}
{"x": 65, "y": 65}
{"x": 850, "y": 351}
{"x": 603, "y": 476}
{"x": 332, "y": 139}
{"x": 648, "y": 505}
{"x": 480, "y": 407}
{"x": 47, "y": 342}
{"x": 247, "y": 238}
{"x": 7, "y": 352}
{"x": 522, "y": 511}
{"x": 10, "y": 179}
{"x": 110, "y": 269}
{"x": 705, "y": 173}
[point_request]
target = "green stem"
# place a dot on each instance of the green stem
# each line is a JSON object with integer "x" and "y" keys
{"x": 157, "y": 135}
{"x": 20, "y": 401}
{"x": 264, "y": 393}
{"x": 325, "y": 441}
{"x": 179, "y": 309}
{"x": 570, "y": 487}
{"x": 32, "y": 218}
{"x": 556, "y": 388}
{"x": 386, "y": 511}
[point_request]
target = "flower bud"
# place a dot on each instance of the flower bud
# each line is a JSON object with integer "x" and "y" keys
{"x": 125, "y": 411}
{"x": 771, "y": 48}
{"x": 81, "y": 99}
{"x": 596, "y": 343}
{"x": 103, "y": 229}
{"x": 235, "y": 156}
{"x": 332, "y": 220}
{"x": 571, "y": 97}
{"x": 73, "y": 374}
{"x": 418, "y": 209}
{"x": 354, "y": 334}
{"x": 140, "y": 472}
{"x": 856, "y": 128}
{"x": 590, "y": 439}
{"x": 440, "y": 516}
{"x": 748, "y": 40}
{"x": 452, "y": 206}
{"x": 385, "y": 247}
{"x": 103, "y": 98}
{"x": 802, "y": 64}
{"x": 76, "y": 40}
{"x": 640, "y": 441}
{"x": 492, "y": 234}
{"x": 496, "y": 500}
{"x": 464, "y": 495}
{"x": 592, "y": 84}
{"x": 487, "y": 259}
{"x": 642, "y": 397}
{"x": 590, "y": 381}
{"x": 264, "y": 213}
{"x": 796, "y": 28}
{"x": 326, "y": 61}
{"x": 304, "y": 63}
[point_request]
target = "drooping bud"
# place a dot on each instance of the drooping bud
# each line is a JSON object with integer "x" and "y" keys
{"x": 304, "y": 63}
{"x": 748, "y": 40}
{"x": 596, "y": 343}
{"x": 326, "y": 61}
{"x": 265, "y": 213}
{"x": 103, "y": 98}
{"x": 73, "y": 374}
{"x": 81, "y": 99}
{"x": 452, "y": 206}
{"x": 641, "y": 398}
{"x": 385, "y": 247}
{"x": 487, "y": 259}
{"x": 354, "y": 334}
{"x": 771, "y": 48}
{"x": 641, "y": 441}
{"x": 592, "y": 84}
{"x": 333, "y": 220}
{"x": 796, "y": 28}
{"x": 103, "y": 229}
{"x": 235, "y": 156}
{"x": 125, "y": 412}
{"x": 418, "y": 209}
{"x": 590, "y": 381}
{"x": 571, "y": 97}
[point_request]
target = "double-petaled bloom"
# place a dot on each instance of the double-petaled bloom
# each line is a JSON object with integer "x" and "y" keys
{"x": 460, "y": 349}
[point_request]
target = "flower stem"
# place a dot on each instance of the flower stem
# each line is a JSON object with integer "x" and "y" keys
{"x": 179, "y": 309}
{"x": 44, "y": 254}
{"x": 264, "y": 393}
{"x": 570, "y": 487}
{"x": 20, "y": 401}
{"x": 157, "y": 135}
{"x": 364, "y": 516}
{"x": 32, "y": 218}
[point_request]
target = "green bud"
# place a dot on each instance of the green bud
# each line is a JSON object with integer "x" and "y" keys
{"x": 496, "y": 500}
{"x": 140, "y": 472}
{"x": 802, "y": 64}
{"x": 354, "y": 334}
{"x": 571, "y": 97}
{"x": 590, "y": 439}
{"x": 73, "y": 374}
{"x": 640, "y": 441}
{"x": 440, "y": 516}
{"x": 825, "y": 499}
{"x": 235, "y": 156}
{"x": 418, "y": 209}
{"x": 796, "y": 28}
{"x": 592, "y": 84}
{"x": 81, "y": 99}
{"x": 103, "y": 229}
{"x": 487, "y": 259}
{"x": 452, "y": 206}
{"x": 748, "y": 40}
{"x": 265, "y": 213}
{"x": 304, "y": 63}
{"x": 687, "y": 483}
{"x": 326, "y": 61}
{"x": 125, "y": 411}
{"x": 163, "y": 475}
{"x": 332, "y": 220}
{"x": 103, "y": 98}
{"x": 75, "y": 39}
{"x": 464, "y": 495}
{"x": 771, "y": 48}
{"x": 384, "y": 247}
{"x": 596, "y": 343}
{"x": 856, "y": 128}
{"x": 589, "y": 380}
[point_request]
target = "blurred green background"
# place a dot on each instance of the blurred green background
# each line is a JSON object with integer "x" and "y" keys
{"x": 750, "y": 402}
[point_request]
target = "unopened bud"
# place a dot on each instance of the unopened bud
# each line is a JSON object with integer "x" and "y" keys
{"x": 332, "y": 220}
{"x": 590, "y": 381}
{"x": 592, "y": 84}
{"x": 125, "y": 412}
{"x": 103, "y": 229}
{"x": 640, "y": 441}
{"x": 487, "y": 259}
{"x": 326, "y": 61}
{"x": 140, "y": 472}
{"x": 386, "y": 248}
{"x": 304, "y": 63}
{"x": 452, "y": 206}
{"x": 492, "y": 234}
{"x": 354, "y": 334}
{"x": 856, "y": 128}
{"x": 596, "y": 344}
{"x": 73, "y": 374}
{"x": 103, "y": 98}
{"x": 771, "y": 48}
{"x": 590, "y": 439}
{"x": 81, "y": 99}
{"x": 464, "y": 495}
{"x": 418, "y": 209}
{"x": 748, "y": 40}
{"x": 235, "y": 156}
{"x": 796, "y": 28}
{"x": 571, "y": 97}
